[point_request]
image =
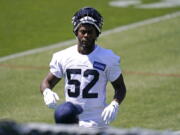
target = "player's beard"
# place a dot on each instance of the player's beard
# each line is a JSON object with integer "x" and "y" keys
{"x": 87, "y": 45}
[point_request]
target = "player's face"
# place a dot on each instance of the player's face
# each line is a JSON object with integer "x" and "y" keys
{"x": 86, "y": 35}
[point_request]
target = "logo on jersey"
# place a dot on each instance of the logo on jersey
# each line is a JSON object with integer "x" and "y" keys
{"x": 99, "y": 65}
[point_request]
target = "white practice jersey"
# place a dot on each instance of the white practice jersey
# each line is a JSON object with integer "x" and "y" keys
{"x": 86, "y": 77}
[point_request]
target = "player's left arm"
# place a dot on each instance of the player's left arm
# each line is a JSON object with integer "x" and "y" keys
{"x": 110, "y": 112}
{"x": 119, "y": 89}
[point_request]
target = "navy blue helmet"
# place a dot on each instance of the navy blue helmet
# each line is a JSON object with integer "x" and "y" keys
{"x": 87, "y": 15}
{"x": 67, "y": 113}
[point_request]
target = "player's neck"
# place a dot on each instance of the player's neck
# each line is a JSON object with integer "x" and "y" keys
{"x": 84, "y": 50}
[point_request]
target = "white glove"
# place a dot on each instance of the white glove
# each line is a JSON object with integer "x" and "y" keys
{"x": 50, "y": 98}
{"x": 109, "y": 113}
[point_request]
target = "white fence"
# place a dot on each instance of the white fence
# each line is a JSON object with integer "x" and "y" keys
{"x": 12, "y": 128}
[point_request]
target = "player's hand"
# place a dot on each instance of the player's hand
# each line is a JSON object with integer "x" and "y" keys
{"x": 50, "y": 98}
{"x": 109, "y": 113}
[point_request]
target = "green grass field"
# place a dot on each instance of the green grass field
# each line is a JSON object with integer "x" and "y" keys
{"x": 150, "y": 60}
{"x": 27, "y": 24}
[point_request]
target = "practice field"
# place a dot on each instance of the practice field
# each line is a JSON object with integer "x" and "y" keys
{"x": 27, "y": 24}
{"x": 150, "y": 60}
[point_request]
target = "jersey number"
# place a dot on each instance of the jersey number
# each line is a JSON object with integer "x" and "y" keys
{"x": 77, "y": 83}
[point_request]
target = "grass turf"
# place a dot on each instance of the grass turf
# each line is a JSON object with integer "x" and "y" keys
{"x": 150, "y": 60}
{"x": 32, "y": 24}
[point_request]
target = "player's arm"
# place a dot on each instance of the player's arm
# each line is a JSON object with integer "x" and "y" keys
{"x": 47, "y": 84}
{"x": 110, "y": 112}
{"x": 119, "y": 88}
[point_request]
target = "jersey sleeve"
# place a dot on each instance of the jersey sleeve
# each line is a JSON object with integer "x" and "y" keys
{"x": 114, "y": 70}
{"x": 56, "y": 67}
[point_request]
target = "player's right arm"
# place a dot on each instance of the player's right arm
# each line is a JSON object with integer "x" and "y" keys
{"x": 47, "y": 84}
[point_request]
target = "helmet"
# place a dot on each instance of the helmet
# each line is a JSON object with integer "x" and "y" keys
{"x": 87, "y": 15}
{"x": 67, "y": 113}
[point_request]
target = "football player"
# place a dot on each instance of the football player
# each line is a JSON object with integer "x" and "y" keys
{"x": 86, "y": 68}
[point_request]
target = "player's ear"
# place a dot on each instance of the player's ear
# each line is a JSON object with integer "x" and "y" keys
{"x": 75, "y": 33}
{"x": 97, "y": 33}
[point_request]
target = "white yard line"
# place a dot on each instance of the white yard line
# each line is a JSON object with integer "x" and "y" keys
{"x": 70, "y": 42}
{"x": 141, "y": 23}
